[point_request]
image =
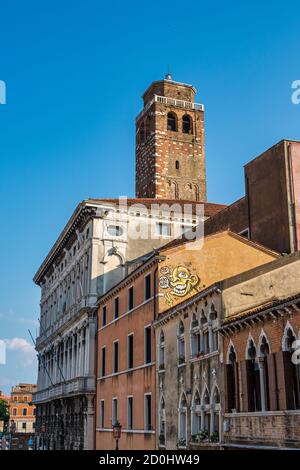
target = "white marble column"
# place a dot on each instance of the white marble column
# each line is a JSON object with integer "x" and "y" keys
{"x": 74, "y": 354}
{"x": 83, "y": 351}
{"x": 262, "y": 377}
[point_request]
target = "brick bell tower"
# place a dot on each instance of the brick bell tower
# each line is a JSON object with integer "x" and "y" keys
{"x": 170, "y": 154}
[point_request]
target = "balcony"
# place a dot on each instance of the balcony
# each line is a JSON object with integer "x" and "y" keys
{"x": 267, "y": 429}
{"x": 78, "y": 386}
{"x": 171, "y": 102}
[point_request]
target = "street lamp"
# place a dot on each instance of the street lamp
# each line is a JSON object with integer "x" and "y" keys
{"x": 117, "y": 427}
{"x": 12, "y": 431}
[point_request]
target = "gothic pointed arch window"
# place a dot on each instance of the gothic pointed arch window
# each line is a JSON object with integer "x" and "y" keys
{"x": 253, "y": 377}
{"x": 292, "y": 370}
{"x": 215, "y": 412}
{"x": 182, "y": 421}
{"x": 181, "y": 343}
{"x": 173, "y": 191}
{"x": 162, "y": 422}
{"x": 231, "y": 378}
{"x": 205, "y": 415}
{"x": 161, "y": 352}
{"x": 195, "y": 336}
{"x": 263, "y": 352}
{"x": 196, "y": 414}
{"x": 172, "y": 122}
{"x": 205, "y": 332}
{"x": 187, "y": 124}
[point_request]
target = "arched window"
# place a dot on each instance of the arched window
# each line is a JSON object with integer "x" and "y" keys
{"x": 162, "y": 422}
{"x": 173, "y": 189}
{"x": 205, "y": 334}
{"x": 293, "y": 371}
{"x": 203, "y": 318}
{"x": 182, "y": 421}
{"x": 215, "y": 415}
{"x": 264, "y": 350}
{"x": 161, "y": 357}
{"x": 142, "y": 133}
{"x": 213, "y": 313}
{"x": 172, "y": 122}
{"x": 177, "y": 164}
{"x": 187, "y": 124}
{"x": 195, "y": 336}
{"x": 253, "y": 378}
{"x": 231, "y": 381}
{"x": 205, "y": 415}
{"x": 181, "y": 343}
{"x": 196, "y": 414}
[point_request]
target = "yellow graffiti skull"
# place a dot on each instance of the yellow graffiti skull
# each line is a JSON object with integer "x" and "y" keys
{"x": 182, "y": 281}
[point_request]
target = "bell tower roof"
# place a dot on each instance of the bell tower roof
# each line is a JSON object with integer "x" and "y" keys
{"x": 171, "y": 89}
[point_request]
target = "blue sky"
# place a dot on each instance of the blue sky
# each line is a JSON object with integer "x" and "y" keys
{"x": 75, "y": 72}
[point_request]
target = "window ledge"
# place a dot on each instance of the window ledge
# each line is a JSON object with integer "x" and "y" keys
{"x": 204, "y": 356}
{"x": 183, "y": 364}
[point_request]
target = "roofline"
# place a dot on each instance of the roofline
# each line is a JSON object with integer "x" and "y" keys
{"x": 181, "y": 305}
{"x": 280, "y": 142}
{"x": 259, "y": 270}
{"x": 252, "y": 243}
{"x": 59, "y": 240}
{"x": 109, "y": 202}
{"x": 171, "y": 82}
{"x": 152, "y": 258}
{"x": 262, "y": 308}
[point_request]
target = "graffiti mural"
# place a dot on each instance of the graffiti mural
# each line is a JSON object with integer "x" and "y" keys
{"x": 176, "y": 282}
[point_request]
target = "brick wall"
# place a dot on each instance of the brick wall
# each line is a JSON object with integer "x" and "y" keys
{"x": 170, "y": 164}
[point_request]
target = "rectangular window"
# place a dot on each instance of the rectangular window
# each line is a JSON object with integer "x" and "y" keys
{"x": 114, "y": 417}
{"x": 116, "y": 310}
{"x": 24, "y": 425}
{"x": 130, "y": 298}
{"x": 116, "y": 356}
{"x": 147, "y": 422}
{"x": 104, "y": 315}
{"x": 163, "y": 229}
{"x": 130, "y": 351}
{"x": 147, "y": 344}
{"x": 130, "y": 412}
{"x": 103, "y": 361}
{"x": 148, "y": 286}
{"x": 102, "y": 414}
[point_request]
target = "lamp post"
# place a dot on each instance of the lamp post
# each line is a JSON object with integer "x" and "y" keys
{"x": 12, "y": 431}
{"x": 117, "y": 427}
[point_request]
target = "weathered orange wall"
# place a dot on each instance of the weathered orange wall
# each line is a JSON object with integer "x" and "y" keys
{"x": 221, "y": 256}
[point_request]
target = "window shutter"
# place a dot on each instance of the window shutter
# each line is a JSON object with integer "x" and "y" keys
{"x": 285, "y": 380}
{"x": 247, "y": 385}
{"x": 229, "y": 388}
{"x": 237, "y": 386}
{"x": 272, "y": 382}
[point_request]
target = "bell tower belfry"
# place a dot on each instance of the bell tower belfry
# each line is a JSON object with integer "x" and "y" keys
{"x": 170, "y": 154}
